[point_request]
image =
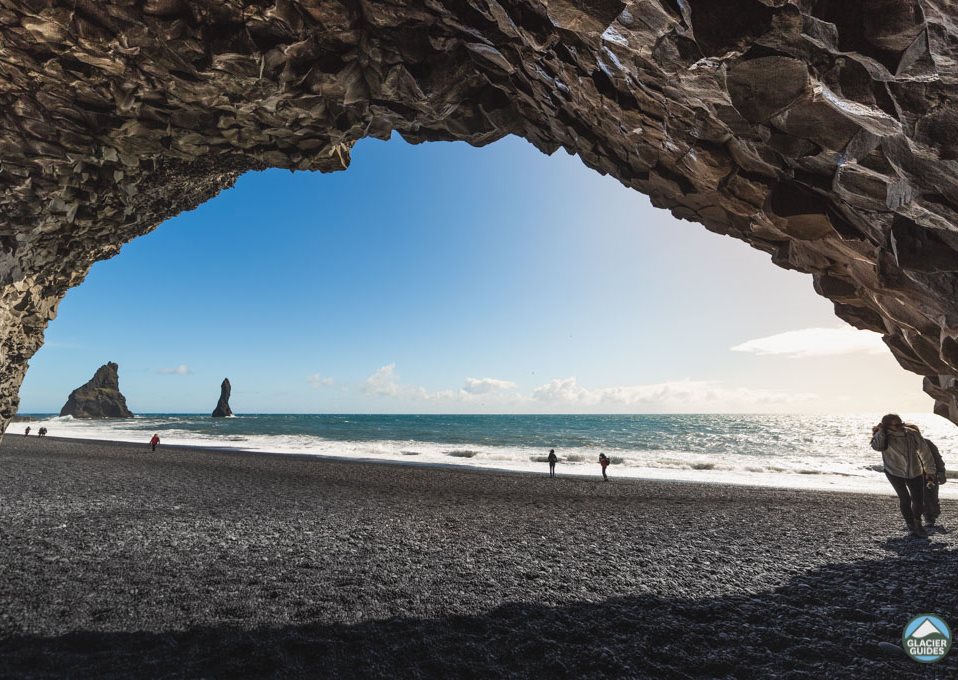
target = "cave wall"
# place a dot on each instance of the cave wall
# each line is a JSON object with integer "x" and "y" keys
{"x": 822, "y": 132}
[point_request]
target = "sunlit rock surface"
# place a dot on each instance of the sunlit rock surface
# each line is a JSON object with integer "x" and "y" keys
{"x": 100, "y": 397}
{"x": 821, "y": 132}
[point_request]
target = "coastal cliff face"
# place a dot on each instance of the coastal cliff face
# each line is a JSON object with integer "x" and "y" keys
{"x": 98, "y": 398}
{"x": 222, "y": 409}
{"x": 823, "y": 132}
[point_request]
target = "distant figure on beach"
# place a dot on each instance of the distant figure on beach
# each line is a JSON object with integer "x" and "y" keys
{"x": 909, "y": 466}
{"x": 604, "y": 462}
{"x": 154, "y": 442}
{"x": 27, "y": 432}
{"x": 552, "y": 462}
{"x": 41, "y": 432}
{"x": 932, "y": 506}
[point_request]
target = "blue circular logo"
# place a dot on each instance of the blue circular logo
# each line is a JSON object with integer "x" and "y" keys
{"x": 926, "y": 638}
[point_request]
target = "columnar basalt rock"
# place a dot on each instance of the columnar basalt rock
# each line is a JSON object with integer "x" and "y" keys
{"x": 100, "y": 397}
{"x": 222, "y": 409}
{"x": 823, "y": 132}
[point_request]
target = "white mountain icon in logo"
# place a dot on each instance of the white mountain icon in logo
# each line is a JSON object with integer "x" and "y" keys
{"x": 925, "y": 629}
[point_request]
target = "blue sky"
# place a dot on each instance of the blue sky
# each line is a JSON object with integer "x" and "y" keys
{"x": 444, "y": 278}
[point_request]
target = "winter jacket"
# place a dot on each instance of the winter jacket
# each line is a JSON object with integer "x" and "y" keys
{"x": 904, "y": 454}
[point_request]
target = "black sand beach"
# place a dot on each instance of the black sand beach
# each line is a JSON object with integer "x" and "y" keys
{"x": 118, "y": 562}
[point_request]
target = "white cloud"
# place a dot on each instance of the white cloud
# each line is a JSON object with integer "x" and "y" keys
{"x": 318, "y": 381}
{"x": 564, "y": 390}
{"x": 684, "y": 394}
{"x": 182, "y": 369}
{"x": 486, "y": 385}
{"x": 383, "y": 382}
{"x": 815, "y": 342}
{"x": 564, "y": 394}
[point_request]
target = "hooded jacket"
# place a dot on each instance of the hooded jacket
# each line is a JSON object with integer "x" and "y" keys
{"x": 904, "y": 454}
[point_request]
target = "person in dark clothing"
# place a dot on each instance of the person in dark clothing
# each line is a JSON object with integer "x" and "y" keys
{"x": 42, "y": 432}
{"x": 932, "y": 506}
{"x": 908, "y": 465}
{"x": 604, "y": 462}
{"x": 27, "y": 432}
{"x": 552, "y": 462}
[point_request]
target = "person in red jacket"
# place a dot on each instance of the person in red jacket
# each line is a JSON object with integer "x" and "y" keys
{"x": 604, "y": 462}
{"x": 154, "y": 442}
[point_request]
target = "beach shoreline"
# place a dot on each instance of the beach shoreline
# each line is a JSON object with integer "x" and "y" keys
{"x": 838, "y": 483}
{"x": 185, "y": 562}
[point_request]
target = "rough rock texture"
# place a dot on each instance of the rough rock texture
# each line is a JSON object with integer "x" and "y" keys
{"x": 222, "y": 409}
{"x": 823, "y": 132}
{"x": 98, "y": 398}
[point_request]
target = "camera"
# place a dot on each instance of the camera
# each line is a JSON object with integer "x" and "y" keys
{"x": 931, "y": 484}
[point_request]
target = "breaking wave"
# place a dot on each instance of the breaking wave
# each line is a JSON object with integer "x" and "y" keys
{"x": 803, "y": 451}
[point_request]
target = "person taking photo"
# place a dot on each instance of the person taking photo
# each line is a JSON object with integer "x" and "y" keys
{"x": 908, "y": 464}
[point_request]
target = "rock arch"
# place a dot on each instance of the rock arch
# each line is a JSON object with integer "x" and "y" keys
{"x": 822, "y": 132}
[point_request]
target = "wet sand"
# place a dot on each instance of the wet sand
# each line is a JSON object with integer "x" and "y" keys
{"x": 118, "y": 562}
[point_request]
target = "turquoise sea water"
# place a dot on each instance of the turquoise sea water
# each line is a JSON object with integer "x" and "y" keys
{"x": 785, "y": 449}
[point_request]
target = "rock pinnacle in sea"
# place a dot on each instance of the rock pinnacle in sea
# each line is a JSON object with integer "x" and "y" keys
{"x": 223, "y": 405}
{"x": 98, "y": 398}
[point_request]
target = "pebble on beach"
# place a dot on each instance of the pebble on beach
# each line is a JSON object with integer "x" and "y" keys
{"x": 283, "y": 565}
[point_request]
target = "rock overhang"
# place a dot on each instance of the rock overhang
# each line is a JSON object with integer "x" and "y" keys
{"x": 821, "y": 132}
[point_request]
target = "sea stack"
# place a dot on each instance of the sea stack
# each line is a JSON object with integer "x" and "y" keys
{"x": 222, "y": 409}
{"x": 99, "y": 398}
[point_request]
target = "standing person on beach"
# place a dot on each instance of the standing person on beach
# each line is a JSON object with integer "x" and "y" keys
{"x": 932, "y": 506}
{"x": 553, "y": 459}
{"x": 604, "y": 462}
{"x": 27, "y": 432}
{"x": 154, "y": 441}
{"x": 908, "y": 466}
{"x": 41, "y": 432}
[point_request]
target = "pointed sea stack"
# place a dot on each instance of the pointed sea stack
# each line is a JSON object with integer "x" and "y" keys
{"x": 222, "y": 409}
{"x": 99, "y": 398}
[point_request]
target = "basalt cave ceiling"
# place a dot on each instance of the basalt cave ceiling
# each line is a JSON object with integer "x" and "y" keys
{"x": 823, "y": 132}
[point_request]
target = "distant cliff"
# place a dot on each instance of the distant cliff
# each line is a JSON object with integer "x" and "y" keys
{"x": 99, "y": 398}
{"x": 222, "y": 409}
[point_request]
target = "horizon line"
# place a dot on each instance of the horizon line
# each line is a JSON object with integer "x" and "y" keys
{"x": 423, "y": 413}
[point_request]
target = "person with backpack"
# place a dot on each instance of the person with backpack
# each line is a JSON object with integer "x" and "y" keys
{"x": 604, "y": 462}
{"x": 932, "y": 506}
{"x": 553, "y": 459}
{"x": 908, "y": 465}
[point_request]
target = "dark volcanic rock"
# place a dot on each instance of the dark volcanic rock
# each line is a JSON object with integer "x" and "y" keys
{"x": 822, "y": 133}
{"x": 99, "y": 398}
{"x": 222, "y": 409}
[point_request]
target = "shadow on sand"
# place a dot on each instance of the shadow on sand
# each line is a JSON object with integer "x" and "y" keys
{"x": 826, "y": 623}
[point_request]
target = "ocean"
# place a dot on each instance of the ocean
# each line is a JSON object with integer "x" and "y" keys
{"x": 801, "y": 451}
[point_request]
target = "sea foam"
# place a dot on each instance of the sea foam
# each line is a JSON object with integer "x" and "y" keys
{"x": 793, "y": 451}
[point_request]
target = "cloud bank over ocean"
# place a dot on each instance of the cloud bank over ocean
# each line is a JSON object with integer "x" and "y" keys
{"x": 568, "y": 395}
